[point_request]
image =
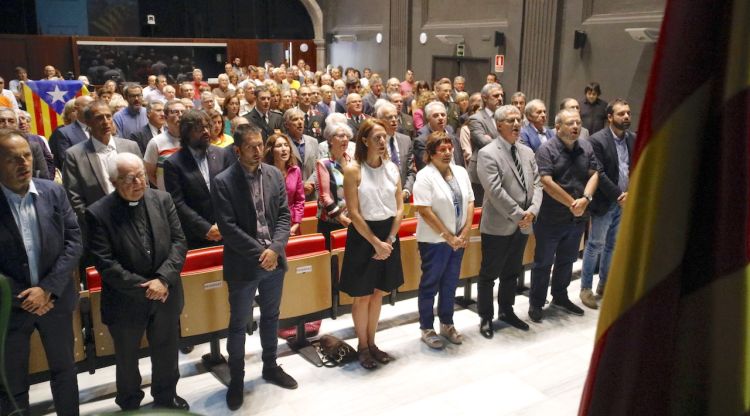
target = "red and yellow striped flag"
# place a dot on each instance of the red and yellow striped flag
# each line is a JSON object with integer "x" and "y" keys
{"x": 45, "y": 101}
{"x": 673, "y": 336}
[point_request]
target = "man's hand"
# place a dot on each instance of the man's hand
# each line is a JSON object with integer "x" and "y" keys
{"x": 213, "y": 233}
{"x": 36, "y": 300}
{"x": 269, "y": 260}
{"x": 578, "y": 207}
{"x": 156, "y": 290}
{"x": 622, "y": 198}
{"x": 526, "y": 221}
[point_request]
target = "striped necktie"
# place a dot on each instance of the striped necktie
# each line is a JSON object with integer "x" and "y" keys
{"x": 513, "y": 152}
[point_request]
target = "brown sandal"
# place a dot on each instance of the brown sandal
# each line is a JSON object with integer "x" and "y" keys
{"x": 365, "y": 359}
{"x": 380, "y": 356}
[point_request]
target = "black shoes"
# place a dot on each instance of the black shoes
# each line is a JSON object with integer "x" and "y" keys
{"x": 177, "y": 403}
{"x": 279, "y": 377}
{"x": 568, "y": 306}
{"x": 510, "y": 318}
{"x": 486, "y": 329}
{"x": 235, "y": 394}
{"x": 535, "y": 314}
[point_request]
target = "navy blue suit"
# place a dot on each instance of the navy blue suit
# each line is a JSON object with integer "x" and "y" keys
{"x": 64, "y": 138}
{"x": 61, "y": 248}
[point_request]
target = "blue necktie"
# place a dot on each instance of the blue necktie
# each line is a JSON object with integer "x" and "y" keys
{"x": 394, "y": 155}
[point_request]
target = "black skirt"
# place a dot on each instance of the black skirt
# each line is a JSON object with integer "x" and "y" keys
{"x": 360, "y": 273}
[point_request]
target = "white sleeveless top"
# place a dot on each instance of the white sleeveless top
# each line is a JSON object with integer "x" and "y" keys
{"x": 377, "y": 191}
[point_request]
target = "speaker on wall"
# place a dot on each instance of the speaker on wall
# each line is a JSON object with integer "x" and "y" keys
{"x": 499, "y": 39}
{"x": 579, "y": 39}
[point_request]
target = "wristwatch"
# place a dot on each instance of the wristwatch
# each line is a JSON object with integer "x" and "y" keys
{"x": 587, "y": 196}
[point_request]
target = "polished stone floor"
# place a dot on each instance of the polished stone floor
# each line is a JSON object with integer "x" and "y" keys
{"x": 539, "y": 372}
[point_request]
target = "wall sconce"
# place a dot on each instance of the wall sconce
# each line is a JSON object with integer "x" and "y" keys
{"x": 345, "y": 38}
{"x": 579, "y": 39}
{"x": 643, "y": 34}
{"x": 423, "y": 38}
{"x": 379, "y": 38}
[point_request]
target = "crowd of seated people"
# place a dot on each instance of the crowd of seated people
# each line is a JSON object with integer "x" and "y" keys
{"x": 139, "y": 175}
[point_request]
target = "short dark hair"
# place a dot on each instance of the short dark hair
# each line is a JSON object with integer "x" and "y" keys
{"x": 244, "y": 130}
{"x": 611, "y": 105}
{"x": 190, "y": 120}
{"x": 434, "y": 140}
{"x": 593, "y": 86}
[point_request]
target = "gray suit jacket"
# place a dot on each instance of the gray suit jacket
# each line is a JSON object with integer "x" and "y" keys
{"x": 230, "y": 192}
{"x": 505, "y": 199}
{"x": 311, "y": 156}
{"x": 482, "y": 130}
{"x": 83, "y": 177}
{"x": 407, "y": 169}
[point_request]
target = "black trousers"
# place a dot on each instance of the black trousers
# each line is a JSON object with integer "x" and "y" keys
{"x": 56, "y": 330}
{"x": 502, "y": 255}
{"x": 161, "y": 329}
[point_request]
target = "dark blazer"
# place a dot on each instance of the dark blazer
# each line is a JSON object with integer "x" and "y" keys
{"x": 315, "y": 126}
{"x": 354, "y": 125}
{"x": 454, "y": 113}
{"x": 323, "y": 109}
{"x": 237, "y": 220}
{"x": 63, "y": 138}
{"x": 120, "y": 258}
{"x": 275, "y": 122}
{"x": 83, "y": 176}
{"x": 530, "y": 137}
{"x": 39, "y": 166}
{"x": 603, "y": 143}
{"x": 406, "y": 125}
{"x": 47, "y": 157}
{"x": 192, "y": 198}
{"x": 61, "y": 246}
{"x": 142, "y": 138}
{"x": 421, "y": 140}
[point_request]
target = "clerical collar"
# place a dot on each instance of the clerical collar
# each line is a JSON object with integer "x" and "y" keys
{"x": 129, "y": 203}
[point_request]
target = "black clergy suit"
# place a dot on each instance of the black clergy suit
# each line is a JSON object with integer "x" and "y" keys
{"x": 60, "y": 249}
{"x": 192, "y": 198}
{"x": 121, "y": 256}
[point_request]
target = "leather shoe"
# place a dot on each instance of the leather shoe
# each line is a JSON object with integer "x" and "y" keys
{"x": 177, "y": 403}
{"x": 536, "y": 314}
{"x": 279, "y": 377}
{"x": 486, "y": 329}
{"x": 568, "y": 306}
{"x": 510, "y": 318}
{"x": 235, "y": 395}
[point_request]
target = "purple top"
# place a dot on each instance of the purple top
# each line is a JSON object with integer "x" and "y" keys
{"x": 418, "y": 118}
{"x": 295, "y": 193}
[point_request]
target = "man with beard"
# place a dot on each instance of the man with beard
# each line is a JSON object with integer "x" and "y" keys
{"x": 613, "y": 146}
{"x": 569, "y": 174}
{"x": 508, "y": 172}
{"x": 132, "y": 118}
{"x": 187, "y": 177}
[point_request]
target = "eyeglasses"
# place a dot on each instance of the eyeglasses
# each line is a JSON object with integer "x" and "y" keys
{"x": 130, "y": 179}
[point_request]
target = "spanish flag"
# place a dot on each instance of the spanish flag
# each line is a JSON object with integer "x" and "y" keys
{"x": 45, "y": 101}
{"x": 674, "y": 332}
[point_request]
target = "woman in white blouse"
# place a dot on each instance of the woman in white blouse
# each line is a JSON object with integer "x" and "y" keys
{"x": 445, "y": 203}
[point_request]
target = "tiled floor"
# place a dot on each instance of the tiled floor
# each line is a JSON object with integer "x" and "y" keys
{"x": 539, "y": 372}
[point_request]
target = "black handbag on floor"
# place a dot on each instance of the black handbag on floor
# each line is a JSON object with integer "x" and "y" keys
{"x": 335, "y": 352}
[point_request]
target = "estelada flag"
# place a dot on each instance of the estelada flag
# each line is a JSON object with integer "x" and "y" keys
{"x": 45, "y": 101}
{"x": 673, "y": 335}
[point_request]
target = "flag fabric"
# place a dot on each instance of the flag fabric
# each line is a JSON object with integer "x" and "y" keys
{"x": 45, "y": 101}
{"x": 673, "y": 336}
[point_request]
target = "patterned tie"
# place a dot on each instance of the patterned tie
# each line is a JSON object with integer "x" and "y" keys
{"x": 513, "y": 152}
{"x": 394, "y": 154}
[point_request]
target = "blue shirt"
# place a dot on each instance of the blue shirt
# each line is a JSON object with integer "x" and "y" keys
{"x": 128, "y": 121}
{"x": 24, "y": 212}
{"x": 623, "y": 161}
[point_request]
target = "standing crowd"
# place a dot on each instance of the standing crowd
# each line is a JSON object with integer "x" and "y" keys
{"x": 146, "y": 173}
